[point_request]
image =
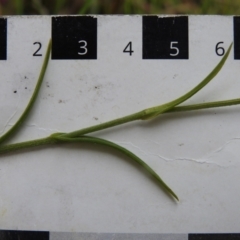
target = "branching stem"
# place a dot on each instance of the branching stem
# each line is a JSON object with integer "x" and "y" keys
{"x": 79, "y": 136}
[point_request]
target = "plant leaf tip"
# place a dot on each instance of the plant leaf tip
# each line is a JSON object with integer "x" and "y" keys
{"x": 174, "y": 195}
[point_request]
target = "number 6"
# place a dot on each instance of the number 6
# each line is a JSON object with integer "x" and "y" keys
{"x": 219, "y": 50}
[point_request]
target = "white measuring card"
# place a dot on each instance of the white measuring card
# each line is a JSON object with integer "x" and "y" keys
{"x": 106, "y": 67}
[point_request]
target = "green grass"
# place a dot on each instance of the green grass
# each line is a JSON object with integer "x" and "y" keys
{"x": 230, "y": 7}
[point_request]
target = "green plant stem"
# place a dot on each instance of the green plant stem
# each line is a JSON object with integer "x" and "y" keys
{"x": 79, "y": 135}
{"x": 154, "y": 111}
{"x": 27, "y": 145}
{"x": 129, "y": 118}
{"x": 16, "y": 126}
{"x": 207, "y": 105}
{"x": 136, "y": 116}
{"x": 144, "y": 114}
{"x": 94, "y": 140}
{"x": 49, "y": 140}
{"x": 61, "y": 139}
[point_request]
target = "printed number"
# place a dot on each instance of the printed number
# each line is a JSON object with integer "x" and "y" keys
{"x": 128, "y": 49}
{"x": 83, "y": 48}
{"x": 219, "y": 50}
{"x": 36, "y": 54}
{"x": 172, "y": 47}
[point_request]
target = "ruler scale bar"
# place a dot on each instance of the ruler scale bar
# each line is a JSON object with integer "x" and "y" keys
{"x": 3, "y": 39}
{"x": 236, "y": 37}
{"x": 75, "y": 37}
{"x": 103, "y": 68}
{"x": 165, "y": 38}
{"x": 43, "y": 235}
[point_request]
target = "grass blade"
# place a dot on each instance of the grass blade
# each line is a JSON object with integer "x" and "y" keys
{"x": 123, "y": 150}
{"x": 207, "y": 105}
{"x": 155, "y": 111}
{"x": 15, "y": 127}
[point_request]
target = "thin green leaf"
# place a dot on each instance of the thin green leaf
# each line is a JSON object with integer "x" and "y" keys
{"x": 155, "y": 111}
{"x": 14, "y": 147}
{"x": 86, "y": 6}
{"x": 122, "y": 150}
{"x": 19, "y": 6}
{"x": 78, "y": 136}
{"x": 15, "y": 127}
{"x": 207, "y": 105}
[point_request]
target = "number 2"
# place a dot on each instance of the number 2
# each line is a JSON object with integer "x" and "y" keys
{"x": 36, "y": 54}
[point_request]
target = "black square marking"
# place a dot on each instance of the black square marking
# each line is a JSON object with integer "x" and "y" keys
{"x": 165, "y": 37}
{"x": 74, "y": 37}
{"x": 214, "y": 236}
{"x": 23, "y": 235}
{"x": 236, "y": 29}
{"x": 3, "y": 39}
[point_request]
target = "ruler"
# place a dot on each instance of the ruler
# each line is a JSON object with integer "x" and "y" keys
{"x": 102, "y": 68}
{"x": 41, "y": 235}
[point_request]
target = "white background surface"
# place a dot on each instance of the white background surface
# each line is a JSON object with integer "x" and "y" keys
{"x": 91, "y": 189}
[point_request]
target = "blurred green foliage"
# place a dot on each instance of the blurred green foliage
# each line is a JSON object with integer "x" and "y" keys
{"x": 8, "y": 7}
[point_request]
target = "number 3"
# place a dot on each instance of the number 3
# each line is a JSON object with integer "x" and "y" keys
{"x": 84, "y": 47}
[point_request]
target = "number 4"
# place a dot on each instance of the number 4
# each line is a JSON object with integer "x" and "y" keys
{"x": 128, "y": 49}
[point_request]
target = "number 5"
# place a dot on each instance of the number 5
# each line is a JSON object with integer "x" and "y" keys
{"x": 174, "y": 48}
